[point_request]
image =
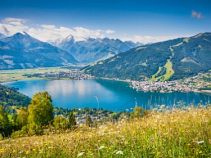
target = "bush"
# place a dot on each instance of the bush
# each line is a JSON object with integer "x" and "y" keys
{"x": 60, "y": 122}
{"x": 20, "y": 133}
{"x": 34, "y": 129}
{"x": 137, "y": 112}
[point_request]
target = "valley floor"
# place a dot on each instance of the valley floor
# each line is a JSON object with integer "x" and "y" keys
{"x": 41, "y": 73}
{"x": 177, "y": 133}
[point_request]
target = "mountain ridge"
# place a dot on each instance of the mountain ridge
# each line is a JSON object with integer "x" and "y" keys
{"x": 168, "y": 60}
{"x": 94, "y": 49}
{"x": 24, "y": 51}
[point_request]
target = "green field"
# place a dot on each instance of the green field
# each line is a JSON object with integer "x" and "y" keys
{"x": 13, "y": 75}
{"x": 169, "y": 70}
{"x": 168, "y": 67}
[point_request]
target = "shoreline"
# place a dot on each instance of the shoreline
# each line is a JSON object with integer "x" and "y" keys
{"x": 165, "y": 87}
{"x": 145, "y": 86}
{"x": 130, "y": 82}
{"x": 208, "y": 92}
{"x": 159, "y": 91}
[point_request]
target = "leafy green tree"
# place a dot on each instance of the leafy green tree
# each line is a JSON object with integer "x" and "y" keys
{"x": 40, "y": 110}
{"x": 22, "y": 116}
{"x": 72, "y": 120}
{"x": 88, "y": 121}
{"x": 5, "y": 128}
{"x": 60, "y": 122}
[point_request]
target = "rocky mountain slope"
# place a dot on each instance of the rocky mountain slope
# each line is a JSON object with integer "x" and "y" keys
{"x": 91, "y": 49}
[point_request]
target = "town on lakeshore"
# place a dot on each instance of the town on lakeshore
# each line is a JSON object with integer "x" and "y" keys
{"x": 199, "y": 83}
{"x": 105, "y": 78}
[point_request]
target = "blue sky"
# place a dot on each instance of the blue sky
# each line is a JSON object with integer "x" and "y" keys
{"x": 127, "y": 18}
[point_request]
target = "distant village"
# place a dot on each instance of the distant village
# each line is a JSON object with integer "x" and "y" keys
{"x": 96, "y": 115}
{"x": 199, "y": 83}
{"x": 68, "y": 74}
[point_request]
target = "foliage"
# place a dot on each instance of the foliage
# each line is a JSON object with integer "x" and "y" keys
{"x": 5, "y": 128}
{"x": 1, "y": 137}
{"x": 22, "y": 117}
{"x": 137, "y": 112}
{"x": 175, "y": 133}
{"x": 20, "y": 133}
{"x": 60, "y": 122}
{"x": 41, "y": 109}
{"x": 88, "y": 121}
{"x": 72, "y": 120}
{"x": 10, "y": 97}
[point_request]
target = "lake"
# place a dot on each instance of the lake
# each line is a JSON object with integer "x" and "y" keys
{"x": 106, "y": 94}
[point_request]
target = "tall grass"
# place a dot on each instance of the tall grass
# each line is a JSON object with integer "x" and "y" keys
{"x": 176, "y": 133}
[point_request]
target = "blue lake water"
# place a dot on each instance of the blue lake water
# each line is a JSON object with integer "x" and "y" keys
{"x": 106, "y": 94}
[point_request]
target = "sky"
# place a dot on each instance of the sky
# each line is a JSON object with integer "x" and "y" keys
{"x": 138, "y": 20}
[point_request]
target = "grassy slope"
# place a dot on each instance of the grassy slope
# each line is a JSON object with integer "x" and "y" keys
{"x": 168, "y": 134}
{"x": 168, "y": 72}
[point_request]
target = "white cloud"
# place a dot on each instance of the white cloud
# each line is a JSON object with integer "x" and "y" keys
{"x": 196, "y": 15}
{"x": 14, "y": 21}
{"x": 44, "y": 32}
{"x": 10, "y": 26}
{"x": 147, "y": 39}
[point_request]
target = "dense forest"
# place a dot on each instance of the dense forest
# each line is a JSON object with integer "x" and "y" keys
{"x": 11, "y": 97}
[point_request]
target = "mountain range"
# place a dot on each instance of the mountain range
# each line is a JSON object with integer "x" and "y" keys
{"x": 112, "y": 58}
{"x": 23, "y": 51}
{"x": 94, "y": 49}
{"x": 168, "y": 60}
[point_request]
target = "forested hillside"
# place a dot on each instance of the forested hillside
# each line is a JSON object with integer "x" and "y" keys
{"x": 169, "y": 60}
{"x": 10, "y": 97}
